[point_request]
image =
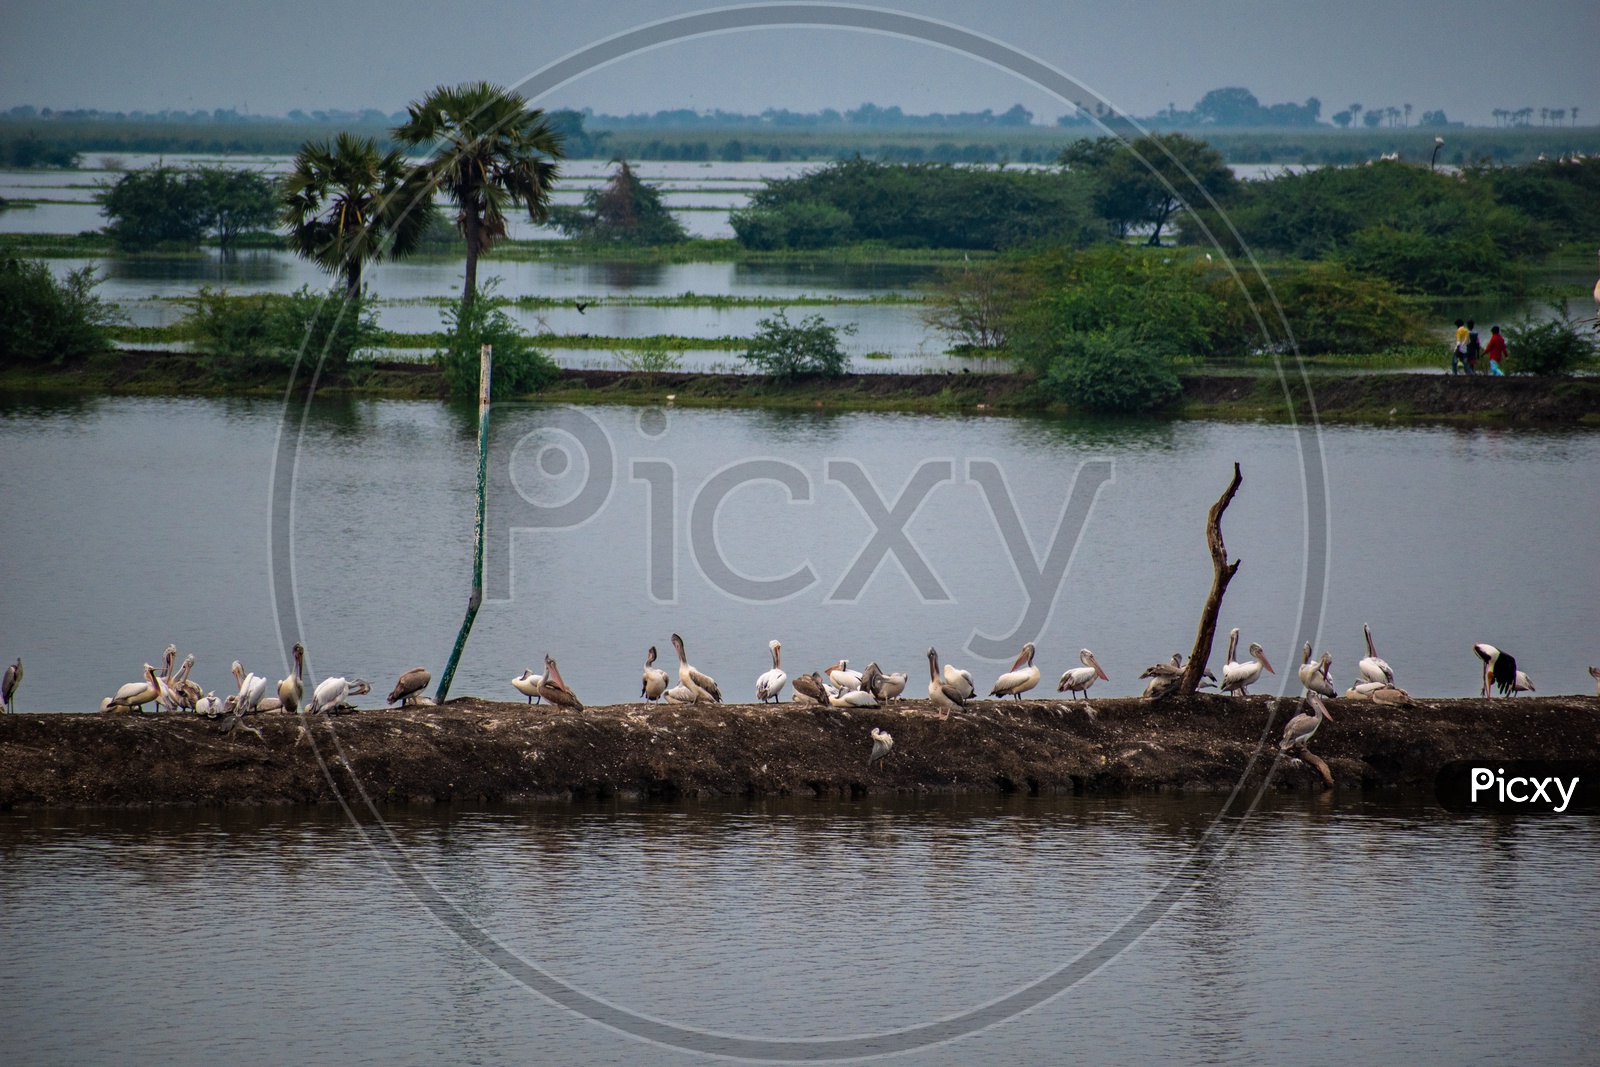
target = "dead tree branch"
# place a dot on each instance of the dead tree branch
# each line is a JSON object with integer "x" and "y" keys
{"x": 1223, "y": 572}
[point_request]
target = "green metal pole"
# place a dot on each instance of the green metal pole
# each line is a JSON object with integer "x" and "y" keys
{"x": 485, "y": 366}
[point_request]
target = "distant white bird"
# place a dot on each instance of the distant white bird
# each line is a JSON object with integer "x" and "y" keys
{"x": 208, "y": 706}
{"x": 332, "y": 694}
{"x": 1300, "y": 729}
{"x": 1314, "y": 676}
{"x": 960, "y": 681}
{"x": 1239, "y": 677}
{"x": 1022, "y": 676}
{"x": 881, "y": 744}
{"x": 653, "y": 683}
{"x": 851, "y": 698}
{"x": 528, "y": 683}
{"x": 135, "y": 694}
{"x": 252, "y": 689}
{"x": 1371, "y": 667}
{"x": 884, "y": 686}
{"x": 1079, "y": 679}
{"x": 681, "y": 694}
{"x": 292, "y": 688}
{"x": 770, "y": 685}
{"x": 843, "y": 676}
{"x": 943, "y": 695}
{"x": 703, "y": 686}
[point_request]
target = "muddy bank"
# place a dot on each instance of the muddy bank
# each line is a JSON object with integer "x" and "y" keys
{"x": 1383, "y": 397}
{"x": 478, "y": 750}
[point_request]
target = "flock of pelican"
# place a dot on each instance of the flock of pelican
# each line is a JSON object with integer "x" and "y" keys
{"x": 949, "y": 687}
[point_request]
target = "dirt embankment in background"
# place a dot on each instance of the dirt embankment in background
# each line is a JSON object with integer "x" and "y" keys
{"x": 477, "y": 750}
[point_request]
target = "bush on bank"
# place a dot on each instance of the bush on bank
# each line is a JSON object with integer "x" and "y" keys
{"x": 48, "y": 320}
{"x": 518, "y": 367}
{"x": 241, "y": 335}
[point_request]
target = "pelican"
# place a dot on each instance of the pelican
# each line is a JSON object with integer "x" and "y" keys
{"x": 655, "y": 679}
{"x": 1079, "y": 679}
{"x": 1499, "y": 668}
{"x": 168, "y": 657}
{"x": 701, "y": 685}
{"x": 960, "y": 681}
{"x": 136, "y": 694}
{"x": 410, "y": 685}
{"x": 1018, "y": 679}
{"x": 555, "y": 689}
{"x": 884, "y": 686}
{"x": 1594, "y": 672}
{"x": 187, "y": 693}
{"x": 808, "y": 689}
{"x": 680, "y": 694}
{"x": 528, "y": 684}
{"x": 1239, "y": 677}
{"x": 252, "y": 687}
{"x": 843, "y": 676}
{"x": 1164, "y": 677}
{"x": 851, "y": 698}
{"x": 208, "y": 705}
{"x": 1314, "y": 676}
{"x": 292, "y": 688}
{"x": 1371, "y": 667}
{"x": 8, "y": 685}
{"x": 944, "y": 696}
{"x": 881, "y": 744}
{"x": 269, "y": 704}
{"x": 770, "y": 685}
{"x": 332, "y": 694}
{"x": 1392, "y": 695}
{"x": 1299, "y": 730}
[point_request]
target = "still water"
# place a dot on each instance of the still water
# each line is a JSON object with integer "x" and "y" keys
{"x": 1339, "y": 929}
{"x": 132, "y": 522}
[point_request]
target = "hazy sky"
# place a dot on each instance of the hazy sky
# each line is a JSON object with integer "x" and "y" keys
{"x": 1466, "y": 56}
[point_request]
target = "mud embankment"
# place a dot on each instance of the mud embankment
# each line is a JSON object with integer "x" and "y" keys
{"x": 476, "y": 750}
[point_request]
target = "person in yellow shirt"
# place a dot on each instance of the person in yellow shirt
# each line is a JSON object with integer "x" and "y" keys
{"x": 1458, "y": 357}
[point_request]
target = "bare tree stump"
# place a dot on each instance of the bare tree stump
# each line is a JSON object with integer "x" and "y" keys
{"x": 1223, "y": 572}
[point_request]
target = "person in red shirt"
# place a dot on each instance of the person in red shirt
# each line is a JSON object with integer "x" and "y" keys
{"x": 1495, "y": 350}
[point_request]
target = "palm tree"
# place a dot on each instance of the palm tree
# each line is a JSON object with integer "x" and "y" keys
{"x": 1355, "y": 113}
{"x": 344, "y": 204}
{"x": 492, "y": 151}
{"x": 1408, "y": 114}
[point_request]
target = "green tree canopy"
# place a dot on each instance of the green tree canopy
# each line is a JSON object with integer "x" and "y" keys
{"x": 624, "y": 209}
{"x": 153, "y": 207}
{"x": 346, "y": 204}
{"x": 490, "y": 151}
{"x": 235, "y": 201}
{"x": 1144, "y": 183}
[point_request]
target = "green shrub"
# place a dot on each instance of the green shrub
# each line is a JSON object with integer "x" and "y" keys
{"x": 241, "y": 335}
{"x": 625, "y": 209}
{"x": 1328, "y": 307}
{"x": 518, "y": 366}
{"x": 43, "y": 320}
{"x": 803, "y": 224}
{"x": 1555, "y": 346}
{"x": 809, "y": 348}
{"x": 1110, "y": 373}
{"x": 1436, "y": 265}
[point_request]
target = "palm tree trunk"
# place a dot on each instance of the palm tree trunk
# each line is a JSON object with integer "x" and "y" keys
{"x": 352, "y": 278}
{"x": 469, "y": 288}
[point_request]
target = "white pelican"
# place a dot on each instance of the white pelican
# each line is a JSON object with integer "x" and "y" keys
{"x": 332, "y": 694}
{"x": 1020, "y": 678}
{"x": 187, "y": 693}
{"x": 884, "y": 686}
{"x": 960, "y": 681}
{"x": 8, "y": 685}
{"x": 1594, "y": 672}
{"x": 701, "y": 685}
{"x": 136, "y": 694}
{"x": 555, "y": 688}
{"x": 681, "y": 694}
{"x": 1079, "y": 679}
{"x": 944, "y": 696}
{"x": 1239, "y": 677}
{"x": 843, "y": 676}
{"x": 654, "y": 681}
{"x": 1298, "y": 730}
{"x": 808, "y": 689}
{"x": 770, "y": 685}
{"x": 168, "y": 658}
{"x": 1314, "y": 676}
{"x": 292, "y": 688}
{"x": 1499, "y": 668}
{"x": 1164, "y": 678}
{"x": 1371, "y": 667}
{"x": 851, "y": 698}
{"x": 881, "y": 744}
{"x": 252, "y": 687}
{"x": 269, "y": 704}
{"x": 208, "y": 705}
{"x": 410, "y": 685}
{"x": 528, "y": 684}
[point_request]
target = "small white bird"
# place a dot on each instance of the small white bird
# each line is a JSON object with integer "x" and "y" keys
{"x": 1079, "y": 679}
{"x": 770, "y": 685}
{"x": 1371, "y": 668}
{"x": 1019, "y": 679}
{"x": 332, "y": 694}
{"x": 1300, "y": 729}
{"x": 252, "y": 690}
{"x": 1239, "y": 677}
{"x": 528, "y": 683}
{"x": 881, "y": 744}
{"x": 137, "y": 694}
{"x": 208, "y": 706}
{"x": 653, "y": 682}
{"x": 851, "y": 698}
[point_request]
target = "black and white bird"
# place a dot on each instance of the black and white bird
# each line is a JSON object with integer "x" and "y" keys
{"x": 1499, "y": 669}
{"x": 881, "y": 744}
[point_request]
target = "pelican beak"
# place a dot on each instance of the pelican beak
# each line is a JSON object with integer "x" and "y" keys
{"x": 1267, "y": 665}
{"x": 1104, "y": 677}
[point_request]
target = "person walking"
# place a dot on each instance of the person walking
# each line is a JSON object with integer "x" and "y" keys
{"x": 1474, "y": 347}
{"x": 1458, "y": 355}
{"x": 1495, "y": 350}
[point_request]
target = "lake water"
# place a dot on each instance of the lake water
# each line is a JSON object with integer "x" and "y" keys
{"x": 1339, "y": 928}
{"x": 132, "y": 522}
